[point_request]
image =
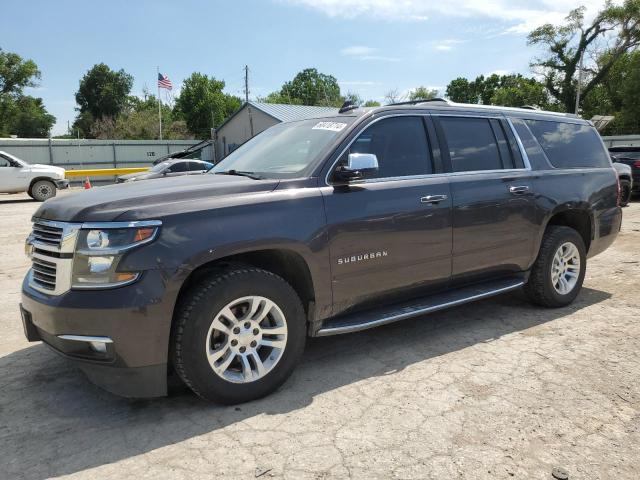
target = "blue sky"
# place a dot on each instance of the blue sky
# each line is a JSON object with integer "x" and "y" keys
{"x": 370, "y": 46}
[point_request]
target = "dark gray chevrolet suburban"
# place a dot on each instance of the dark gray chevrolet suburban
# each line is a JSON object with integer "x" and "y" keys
{"x": 316, "y": 227}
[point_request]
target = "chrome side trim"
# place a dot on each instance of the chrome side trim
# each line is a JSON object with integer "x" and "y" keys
{"x": 133, "y": 224}
{"x": 85, "y": 338}
{"x": 324, "y": 332}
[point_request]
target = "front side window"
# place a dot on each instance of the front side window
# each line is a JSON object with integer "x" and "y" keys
{"x": 4, "y": 162}
{"x": 472, "y": 144}
{"x": 400, "y": 145}
{"x": 569, "y": 145}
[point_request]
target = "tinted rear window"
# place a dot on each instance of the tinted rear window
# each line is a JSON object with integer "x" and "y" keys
{"x": 472, "y": 144}
{"x": 569, "y": 145}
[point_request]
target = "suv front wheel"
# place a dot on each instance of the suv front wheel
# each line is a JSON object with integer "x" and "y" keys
{"x": 238, "y": 335}
{"x": 558, "y": 272}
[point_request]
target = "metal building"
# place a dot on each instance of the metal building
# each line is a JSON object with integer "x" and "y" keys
{"x": 254, "y": 117}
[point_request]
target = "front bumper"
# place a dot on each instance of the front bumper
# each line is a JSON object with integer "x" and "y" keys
{"x": 134, "y": 321}
{"x": 61, "y": 184}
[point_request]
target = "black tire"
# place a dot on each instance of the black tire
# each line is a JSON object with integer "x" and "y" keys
{"x": 195, "y": 313}
{"x": 539, "y": 287}
{"x": 625, "y": 193}
{"x": 42, "y": 190}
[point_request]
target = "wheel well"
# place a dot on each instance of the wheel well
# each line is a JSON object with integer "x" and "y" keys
{"x": 285, "y": 263}
{"x": 37, "y": 179}
{"x": 579, "y": 220}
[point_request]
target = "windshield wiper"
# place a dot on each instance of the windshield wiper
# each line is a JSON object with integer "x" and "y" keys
{"x": 240, "y": 173}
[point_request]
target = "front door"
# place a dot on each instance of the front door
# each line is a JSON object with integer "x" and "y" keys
{"x": 11, "y": 176}
{"x": 389, "y": 234}
{"x": 494, "y": 210}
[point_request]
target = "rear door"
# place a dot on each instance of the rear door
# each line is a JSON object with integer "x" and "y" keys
{"x": 386, "y": 238}
{"x": 493, "y": 210}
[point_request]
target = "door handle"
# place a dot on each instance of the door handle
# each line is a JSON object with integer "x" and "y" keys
{"x": 519, "y": 190}
{"x": 431, "y": 199}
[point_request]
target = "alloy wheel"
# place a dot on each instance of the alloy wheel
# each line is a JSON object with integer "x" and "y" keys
{"x": 565, "y": 268}
{"x": 246, "y": 339}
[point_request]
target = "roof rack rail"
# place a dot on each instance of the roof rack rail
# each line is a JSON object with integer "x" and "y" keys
{"x": 529, "y": 107}
{"x": 423, "y": 100}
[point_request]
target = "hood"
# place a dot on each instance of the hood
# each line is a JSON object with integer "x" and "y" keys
{"x": 47, "y": 168}
{"x": 152, "y": 199}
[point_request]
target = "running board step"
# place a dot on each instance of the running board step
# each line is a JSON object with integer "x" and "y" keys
{"x": 381, "y": 316}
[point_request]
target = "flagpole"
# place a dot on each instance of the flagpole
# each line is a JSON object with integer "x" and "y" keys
{"x": 159, "y": 102}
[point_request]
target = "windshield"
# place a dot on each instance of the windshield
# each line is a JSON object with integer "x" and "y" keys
{"x": 159, "y": 167}
{"x": 284, "y": 150}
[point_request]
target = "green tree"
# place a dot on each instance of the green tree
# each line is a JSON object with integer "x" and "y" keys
{"x": 617, "y": 95}
{"x": 139, "y": 121}
{"x": 102, "y": 93}
{"x": 462, "y": 91}
{"x": 21, "y": 114}
{"x": 203, "y": 105}
{"x": 505, "y": 90}
{"x": 617, "y": 26}
{"x": 31, "y": 119}
{"x": 371, "y": 103}
{"x": 422, "y": 93}
{"x": 310, "y": 87}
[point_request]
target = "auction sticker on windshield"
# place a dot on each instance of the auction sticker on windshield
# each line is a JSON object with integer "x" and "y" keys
{"x": 333, "y": 126}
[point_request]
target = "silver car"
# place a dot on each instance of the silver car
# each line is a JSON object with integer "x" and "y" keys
{"x": 170, "y": 168}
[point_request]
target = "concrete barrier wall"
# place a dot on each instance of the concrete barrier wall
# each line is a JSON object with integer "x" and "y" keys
{"x": 92, "y": 154}
{"x": 619, "y": 140}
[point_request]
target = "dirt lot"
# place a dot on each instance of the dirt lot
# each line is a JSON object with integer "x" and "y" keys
{"x": 496, "y": 389}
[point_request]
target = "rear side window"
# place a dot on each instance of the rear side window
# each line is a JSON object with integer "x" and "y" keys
{"x": 569, "y": 145}
{"x": 399, "y": 143}
{"x": 179, "y": 167}
{"x": 472, "y": 144}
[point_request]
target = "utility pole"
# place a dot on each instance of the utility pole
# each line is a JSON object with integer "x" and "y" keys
{"x": 246, "y": 97}
{"x": 246, "y": 83}
{"x": 579, "y": 89}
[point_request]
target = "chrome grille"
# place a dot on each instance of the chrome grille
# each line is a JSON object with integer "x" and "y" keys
{"x": 51, "y": 246}
{"x": 47, "y": 233}
{"x": 43, "y": 273}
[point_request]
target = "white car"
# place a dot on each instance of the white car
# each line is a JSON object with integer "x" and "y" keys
{"x": 39, "y": 181}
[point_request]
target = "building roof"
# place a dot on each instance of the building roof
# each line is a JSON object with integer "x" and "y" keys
{"x": 286, "y": 113}
{"x": 289, "y": 113}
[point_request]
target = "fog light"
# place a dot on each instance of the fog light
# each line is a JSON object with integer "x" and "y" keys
{"x": 99, "y": 347}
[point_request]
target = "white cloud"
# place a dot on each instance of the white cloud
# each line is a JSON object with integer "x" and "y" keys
{"x": 446, "y": 45}
{"x": 360, "y": 52}
{"x": 520, "y": 16}
{"x": 357, "y": 51}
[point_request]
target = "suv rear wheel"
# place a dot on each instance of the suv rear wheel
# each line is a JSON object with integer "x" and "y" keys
{"x": 625, "y": 193}
{"x": 558, "y": 273}
{"x": 42, "y": 190}
{"x": 238, "y": 335}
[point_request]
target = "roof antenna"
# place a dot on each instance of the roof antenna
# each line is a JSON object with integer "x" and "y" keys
{"x": 347, "y": 107}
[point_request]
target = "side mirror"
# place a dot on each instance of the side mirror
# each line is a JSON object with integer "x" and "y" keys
{"x": 358, "y": 164}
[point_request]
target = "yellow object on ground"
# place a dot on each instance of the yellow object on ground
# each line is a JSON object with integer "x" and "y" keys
{"x": 104, "y": 172}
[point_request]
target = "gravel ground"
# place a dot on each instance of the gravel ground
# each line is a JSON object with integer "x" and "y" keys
{"x": 496, "y": 389}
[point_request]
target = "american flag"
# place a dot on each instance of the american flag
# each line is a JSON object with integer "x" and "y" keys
{"x": 164, "y": 82}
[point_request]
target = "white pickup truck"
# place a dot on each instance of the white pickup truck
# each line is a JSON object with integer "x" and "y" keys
{"x": 39, "y": 181}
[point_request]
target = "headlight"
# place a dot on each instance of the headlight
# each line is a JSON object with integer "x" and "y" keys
{"x": 100, "y": 248}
